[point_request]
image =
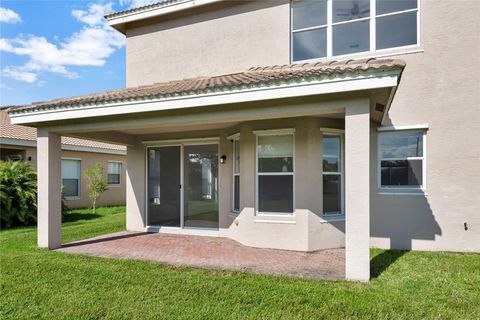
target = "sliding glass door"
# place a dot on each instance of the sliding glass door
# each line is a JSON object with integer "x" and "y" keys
{"x": 185, "y": 171}
{"x": 164, "y": 185}
{"x": 201, "y": 186}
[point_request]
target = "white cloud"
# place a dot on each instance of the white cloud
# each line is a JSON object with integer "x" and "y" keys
{"x": 20, "y": 75}
{"x": 90, "y": 46}
{"x": 9, "y": 16}
{"x": 137, "y": 3}
{"x": 94, "y": 15}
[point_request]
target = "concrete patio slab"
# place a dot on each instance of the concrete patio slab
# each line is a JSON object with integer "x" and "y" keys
{"x": 212, "y": 252}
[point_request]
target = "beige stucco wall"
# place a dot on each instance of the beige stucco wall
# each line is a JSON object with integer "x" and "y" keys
{"x": 115, "y": 195}
{"x": 438, "y": 88}
{"x": 218, "y": 39}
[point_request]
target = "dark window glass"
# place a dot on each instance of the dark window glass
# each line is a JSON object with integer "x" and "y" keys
{"x": 331, "y": 153}
{"x": 113, "y": 178}
{"x": 236, "y": 193}
{"x": 164, "y": 187}
{"x": 310, "y": 44}
{"x": 387, "y": 6}
{"x": 331, "y": 194}
{"x": 351, "y": 38}
{"x": 346, "y": 10}
{"x": 275, "y": 194}
{"x": 309, "y": 13}
{"x": 201, "y": 186}
{"x": 397, "y": 30}
{"x": 401, "y": 173}
{"x": 275, "y": 164}
{"x": 70, "y": 187}
{"x": 401, "y": 144}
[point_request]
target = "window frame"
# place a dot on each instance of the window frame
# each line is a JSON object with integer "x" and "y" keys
{"x": 235, "y": 138}
{"x": 341, "y": 134}
{"x": 423, "y": 186}
{"x": 79, "y": 183}
{"x": 121, "y": 169}
{"x": 274, "y": 132}
{"x": 372, "y": 52}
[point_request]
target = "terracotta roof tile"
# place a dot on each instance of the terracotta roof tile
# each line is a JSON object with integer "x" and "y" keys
{"x": 153, "y": 5}
{"x": 253, "y": 76}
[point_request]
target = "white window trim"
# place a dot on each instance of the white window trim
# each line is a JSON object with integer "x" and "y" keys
{"x": 384, "y": 189}
{"x": 121, "y": 173}
{"x": 77, "y": 197}
{"x": 373, "y": 52}
{"x": 339, "y": 133}
{"x": 274, "y": 132}
{"x": 235, "y": 138}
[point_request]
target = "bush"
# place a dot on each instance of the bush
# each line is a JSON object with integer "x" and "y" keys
{"x": 18, "y": 194}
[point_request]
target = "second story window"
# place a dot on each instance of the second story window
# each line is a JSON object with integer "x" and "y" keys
{"x": 333, "y": 28}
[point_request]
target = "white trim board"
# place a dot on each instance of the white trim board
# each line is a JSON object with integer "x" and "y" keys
{"x": 324, "y": 86}
{"x": 206, "y": 140}
{"x": 155, "y": 12}
{"x": 66, "y": 147}
{"x": 410, "y": 127}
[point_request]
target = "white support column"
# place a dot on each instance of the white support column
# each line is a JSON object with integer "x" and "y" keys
{"x": 357, "y": 191}
{"x": 136, "y": 188}
{"x": 49, "y": 216}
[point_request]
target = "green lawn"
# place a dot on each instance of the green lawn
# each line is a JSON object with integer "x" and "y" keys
{"x": 39, "y": 284}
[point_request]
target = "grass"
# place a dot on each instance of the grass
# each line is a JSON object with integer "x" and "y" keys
{"x": 41, "y": 284}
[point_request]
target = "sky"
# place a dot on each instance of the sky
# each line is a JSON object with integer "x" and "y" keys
{"x": 57, "y": 49}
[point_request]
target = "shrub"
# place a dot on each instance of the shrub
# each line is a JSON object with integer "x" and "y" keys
{"x": 96, "y": 183}
{"x": 18, "y": 194}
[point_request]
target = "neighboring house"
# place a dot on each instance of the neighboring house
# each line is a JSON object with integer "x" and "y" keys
{"x": 298, "y": 125}
{"x": 19, "y": 143}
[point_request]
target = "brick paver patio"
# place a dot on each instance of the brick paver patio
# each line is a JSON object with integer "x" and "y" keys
{"x": 212, "y": 252}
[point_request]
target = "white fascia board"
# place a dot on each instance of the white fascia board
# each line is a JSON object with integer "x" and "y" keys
{"x": 410, "y": 127}
{"x": 69, "y": 147}
{"x": 155, "y": 12}
{"x": 317, "y": 87}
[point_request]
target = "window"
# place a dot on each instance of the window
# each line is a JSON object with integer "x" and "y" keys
{"x": 71, "y": 178}
{"x": 236, "y": 175}
{"x": 328, "y": 28}
{"x": 401, "y": 159}
{"x": 114, "y": 172}
{"x": 275, "y": 171}
{"x": 332, "y": 174}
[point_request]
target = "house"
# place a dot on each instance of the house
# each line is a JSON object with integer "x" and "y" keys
{"x": 19, "y": 143}
{"x": 299, "y": 125}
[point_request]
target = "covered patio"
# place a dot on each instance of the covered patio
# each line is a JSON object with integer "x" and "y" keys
{"x": 212, "y": 252}
{"x": 240, "y": 156}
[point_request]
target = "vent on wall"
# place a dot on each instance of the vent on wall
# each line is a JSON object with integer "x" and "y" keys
{"x": 379, "y": 107}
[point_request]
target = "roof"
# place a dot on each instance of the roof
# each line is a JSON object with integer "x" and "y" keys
{"x": 151, "y": 6}
{"x": 18, "y": 132}
{"x": 251, "y": 78}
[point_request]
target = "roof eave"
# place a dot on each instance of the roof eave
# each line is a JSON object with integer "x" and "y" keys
{"x": 298, "y": 88}
{"x": 119, "y": 20}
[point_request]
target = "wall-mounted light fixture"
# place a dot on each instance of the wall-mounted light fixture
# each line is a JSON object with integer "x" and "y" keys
{"x": 223, "y": 158}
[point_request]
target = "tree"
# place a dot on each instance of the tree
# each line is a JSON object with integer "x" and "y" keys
{"x": 96, "y": 183}
{"x": 18, "y": 193}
